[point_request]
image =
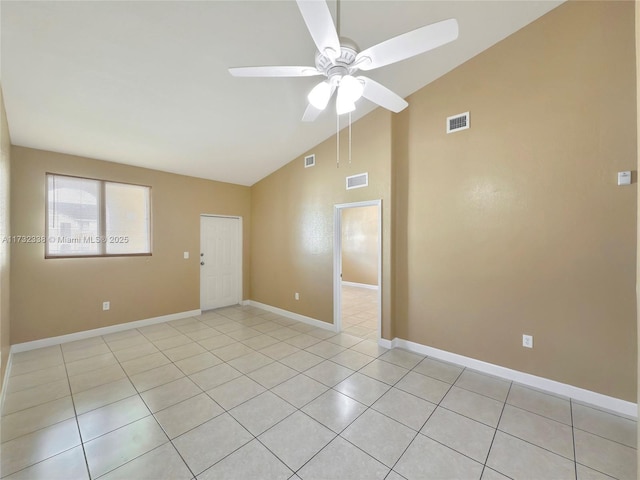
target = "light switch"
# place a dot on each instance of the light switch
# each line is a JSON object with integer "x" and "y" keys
{"x": 186, "y": 255}
{"x": 624, "y": 178}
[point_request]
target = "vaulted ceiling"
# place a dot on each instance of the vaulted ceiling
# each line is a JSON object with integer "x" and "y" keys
{"x": 145, "y": 83}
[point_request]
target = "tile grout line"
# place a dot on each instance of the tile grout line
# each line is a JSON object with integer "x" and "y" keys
{"x": 573, "y": 440}
{"x": 75, "y": 413}
{"x": 495, "y": 432}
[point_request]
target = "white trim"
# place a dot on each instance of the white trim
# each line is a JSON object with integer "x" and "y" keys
{"x": 389, "y": 344}
{"x": 597, "y": 399}
{"x": 72, "y": 337}
{"x": 293, "y": 316}
{"x": 337, "y": 260}
{"x": 7, "y": 373}
{"x": 359, "y": 285}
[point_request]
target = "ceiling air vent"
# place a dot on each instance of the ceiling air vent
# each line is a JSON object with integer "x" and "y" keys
{"x": 458, "y": 122}
{"x": 309, "y": 161}
{"x": 358, "y": 181}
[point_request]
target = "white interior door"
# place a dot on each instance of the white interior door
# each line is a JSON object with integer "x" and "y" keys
{"x": 220, "y": 261}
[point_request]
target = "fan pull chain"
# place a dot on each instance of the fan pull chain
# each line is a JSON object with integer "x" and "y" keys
{"x": 337, "y": 141}
{"x": 349, "y": 138}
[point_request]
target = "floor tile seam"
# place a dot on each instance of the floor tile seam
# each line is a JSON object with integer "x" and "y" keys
{"x": 495, "y": 430}
{"x": 173, "y": 404}
{"x": 39, "y": 428}
{"x": 41, "y": 404}
{"x": 190, "y": 356}
{"x": 84, "y": 359}
{"x": 479, "y": 462}
{"x": 49, "y": 458}
{"x": 300, "y": 408}
{"x": 573, "y": 440}
{"x": 494, "y": 427}
{"x": 605, "y": 438}
{"x": 18, "y": 357}
{"x": 572, "y": 460}
{"x": 462, "y": 369}
{"x": 48, "y": 382}
{"x": 328, "y": 386}
{"x": 390, "y": 384}
{"x": 244, "y": 445}
{"x": 351, "y": 422}
{"x": 131, "y": 460}
{"x": 544, "y": 417}
{"x": 192, "y": 428}
{"x": 335, "y": 435}
{"x": 594, "y": 469}
{"x": 75, "y": 412}
{"x": 372, "y": 407}
{"x": 338, "y": 435}
{"x": 115, "y": 429}
{"x": 540, "y": 414}
{"x": 418, "y": 432}
{"x": 39, "y": 368}
{"x": 241, "y": 403}
{"x": 113, "y": 352}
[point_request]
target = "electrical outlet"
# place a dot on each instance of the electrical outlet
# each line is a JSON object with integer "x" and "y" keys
{"x": 297, "y": 296}
{"x": 527, "y": 341}
{"x": 186, "y": 255}
{"x": 106, "y": 305}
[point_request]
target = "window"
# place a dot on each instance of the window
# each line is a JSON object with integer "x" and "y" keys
{"x": 91, "y": 218}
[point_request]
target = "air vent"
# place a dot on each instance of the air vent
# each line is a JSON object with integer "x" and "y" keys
{"x": 458, "y": 122}
{"x": 358, "y": 181}
{"x": 309, "y": 161}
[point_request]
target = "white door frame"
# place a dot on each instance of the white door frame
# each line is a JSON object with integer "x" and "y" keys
{"x": 240, "y": 252}
{"x": 337, "y": 261}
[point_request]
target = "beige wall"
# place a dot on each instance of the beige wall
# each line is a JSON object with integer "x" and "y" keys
{"x": 292, "y": 221}
{"x": 60, "y": 296}
{"x": 516, "y": 226}
{"x": 5, "y": 164}
{"x": 360, "y": 245}
{"x": 637, "y": 7}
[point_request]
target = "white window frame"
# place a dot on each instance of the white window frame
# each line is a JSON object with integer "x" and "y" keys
{"x": 102, "y": 216}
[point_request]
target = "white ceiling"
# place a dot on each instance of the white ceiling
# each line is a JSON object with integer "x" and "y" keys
{"x": 146, "y": 83}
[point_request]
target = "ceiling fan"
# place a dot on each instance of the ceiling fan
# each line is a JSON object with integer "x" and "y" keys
{"x": 339, "y": 59}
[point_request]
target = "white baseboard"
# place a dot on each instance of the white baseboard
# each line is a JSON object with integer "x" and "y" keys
{"x": 293, "y": 316}
{"x": 582, "y": 395}
{"x": 360, "y": 285}
{"x": 72, "y": 337}
{"x": 5, "y": 381}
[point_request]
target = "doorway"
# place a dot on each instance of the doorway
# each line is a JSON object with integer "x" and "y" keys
{"x": 358, "y": 268}
{"x": 220, "y": 261}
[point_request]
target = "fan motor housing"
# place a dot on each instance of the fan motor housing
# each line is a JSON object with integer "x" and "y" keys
{"x": 343, "y": 64}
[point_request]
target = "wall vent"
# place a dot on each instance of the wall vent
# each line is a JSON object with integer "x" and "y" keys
{"x": 458, "y": 122}
{"x": 309, "y": 161}
{"x": 358, "y": 181}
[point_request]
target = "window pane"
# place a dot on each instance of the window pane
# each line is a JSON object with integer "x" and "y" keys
{"x": 127, "y": 221}
{"x": 73, "y": 216}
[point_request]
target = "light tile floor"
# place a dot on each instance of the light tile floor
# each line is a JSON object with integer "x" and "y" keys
{"x": 243, "y": 393}
{"x": 360, "y": 312}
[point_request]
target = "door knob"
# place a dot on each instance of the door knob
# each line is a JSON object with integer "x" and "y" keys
{"x": 201, "y": 263}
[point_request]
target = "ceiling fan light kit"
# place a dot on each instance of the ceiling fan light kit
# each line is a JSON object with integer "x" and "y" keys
{"x": 339, "y": 58}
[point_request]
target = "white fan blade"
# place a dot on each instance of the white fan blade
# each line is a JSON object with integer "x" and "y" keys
{"x": 382, "y": 95}
{"x": 311, "y": 113}
{"x": 274, "y": 71}
{"x": 320, "y": 25}
{"x": 408, "y": 45}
